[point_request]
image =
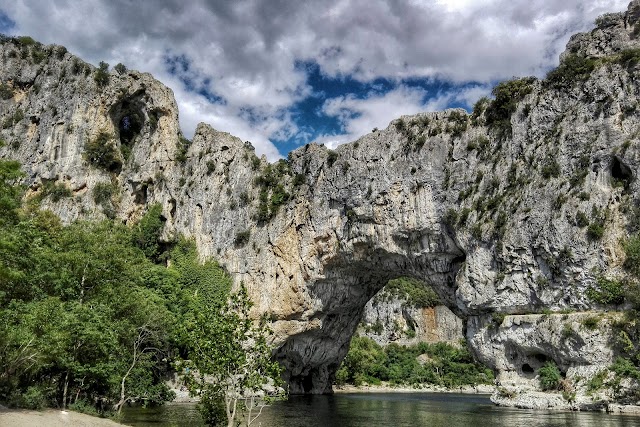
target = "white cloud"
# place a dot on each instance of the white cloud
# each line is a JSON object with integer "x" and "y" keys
{"x": 360, "y": 116}
{"x": 248, "y": 51}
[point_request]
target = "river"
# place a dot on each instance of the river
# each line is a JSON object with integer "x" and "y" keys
{"x": 386, "y": 410}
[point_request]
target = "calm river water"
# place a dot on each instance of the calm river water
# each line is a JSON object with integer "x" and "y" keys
{"x": 387, "y": 409}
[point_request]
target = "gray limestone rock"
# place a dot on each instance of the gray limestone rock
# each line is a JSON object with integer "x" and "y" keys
{"x": 513, "y": 215}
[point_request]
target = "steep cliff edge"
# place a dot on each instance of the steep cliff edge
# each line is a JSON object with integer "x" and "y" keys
{"x": 518, "y": 208}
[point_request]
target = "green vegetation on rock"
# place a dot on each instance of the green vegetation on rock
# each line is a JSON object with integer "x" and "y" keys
{"x": 549, "y": 376}
{"x": 435, "y": 364}
{"x": 102, "y": 153}
{"x": 571, "y": 71}
{"x": 606, "y": 291}
{"x": 273, "y": 194}
{"x": 507, "y": 96}
{"x": 413, "y": 291}
{"x": 101, "y": 75}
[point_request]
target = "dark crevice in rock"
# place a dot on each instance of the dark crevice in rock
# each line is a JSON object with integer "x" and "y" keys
{"x": 621, "y": 172}
{"x": 128, "y": 117}
{"x": 140, "y": 194}
{"x": 541, "y": 358}
{"x": 172, "y": 208}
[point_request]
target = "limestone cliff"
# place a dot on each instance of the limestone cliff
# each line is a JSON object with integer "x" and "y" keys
{"x": 398, "y": 314}
{"x": 516, "y": 209}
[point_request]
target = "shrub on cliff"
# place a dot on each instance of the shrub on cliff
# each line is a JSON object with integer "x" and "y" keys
{"x": 549, "y": 376}
{"x": 416, "y": 293}
{"x": 5, "y": 91}
{"x": 120, "y": 68}
{"x": 606, "y": 291}
{"x": 273, "y": 193}
{"x": 101, "y": 75}
{"x": 571, "y": 71}
{"x": 102, "y": 153}
{"x": 507, "y": 96}
{"x": 629, "y": 57}
{"x": 632, "y": 255}
{"x": 183, "y": 145}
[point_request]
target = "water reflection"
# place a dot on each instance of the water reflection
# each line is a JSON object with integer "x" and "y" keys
{"x": 388, "y": 409}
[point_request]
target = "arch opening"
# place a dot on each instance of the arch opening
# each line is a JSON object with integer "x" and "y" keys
{"x": 312, "y": 357}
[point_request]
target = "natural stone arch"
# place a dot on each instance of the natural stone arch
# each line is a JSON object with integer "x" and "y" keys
{"x": 311, "y": 357}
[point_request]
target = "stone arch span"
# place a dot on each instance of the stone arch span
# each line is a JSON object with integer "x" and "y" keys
{"x": 311, "y": 357}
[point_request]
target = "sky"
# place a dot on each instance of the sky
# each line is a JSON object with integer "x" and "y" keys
{"x": 283, "y": 73}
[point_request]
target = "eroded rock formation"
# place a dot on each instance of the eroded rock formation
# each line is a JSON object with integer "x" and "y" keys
{"x": 488, "y": 209}
{"x": 403, "y": 314}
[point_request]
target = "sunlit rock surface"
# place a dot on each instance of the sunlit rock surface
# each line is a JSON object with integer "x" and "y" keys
{"x": 375, "y": 209}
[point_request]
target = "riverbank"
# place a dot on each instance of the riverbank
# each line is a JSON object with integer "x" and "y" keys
{"x": 388, "y": 388}
{"x": 555, "y": 401}
{"x": 51, "y": 418}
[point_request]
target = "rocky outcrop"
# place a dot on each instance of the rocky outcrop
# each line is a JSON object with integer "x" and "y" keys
{"x": 511, "y": 210}
{"x": 394, "y": 316}
{"x": 519, "y": 345}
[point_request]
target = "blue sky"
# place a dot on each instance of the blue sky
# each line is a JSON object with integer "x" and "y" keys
{"x": 281, "y": 73}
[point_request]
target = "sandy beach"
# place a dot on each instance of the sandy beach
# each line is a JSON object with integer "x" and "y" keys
{"x": 51, "y": 418}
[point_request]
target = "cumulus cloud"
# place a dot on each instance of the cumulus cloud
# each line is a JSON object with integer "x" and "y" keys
{"x": 244, "y": 54}
{"x": 360, "y": 115}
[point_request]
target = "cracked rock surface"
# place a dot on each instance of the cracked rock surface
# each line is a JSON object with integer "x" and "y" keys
{"x": 493, "y": 221}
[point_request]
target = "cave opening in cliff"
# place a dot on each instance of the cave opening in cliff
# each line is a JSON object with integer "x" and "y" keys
{"x": 129, "y": 126}
{"x": 620, "y": 172}
{"x": 128, "y": 120}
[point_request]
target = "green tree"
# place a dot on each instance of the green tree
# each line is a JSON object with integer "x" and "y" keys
{"x": 10, "y": 192}
{"x": 101, "y": 75}
{"x": 231, "y": 354}
{"x": 146, "y": 234}
{"x": 88, "y": 314}
{"x": 120, "y": 68}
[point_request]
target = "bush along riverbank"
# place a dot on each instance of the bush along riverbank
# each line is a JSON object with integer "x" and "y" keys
{"x": 95, "y": 315}
{"x": 439, "y": 366}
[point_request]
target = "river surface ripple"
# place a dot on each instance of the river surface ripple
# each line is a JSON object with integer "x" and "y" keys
{"x": 386, "y": 410}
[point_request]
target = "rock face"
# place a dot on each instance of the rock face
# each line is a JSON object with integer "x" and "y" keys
{"x": 519, "y": 345}
{"x": 491, "y": 210}
{"x": 395, "y": 317}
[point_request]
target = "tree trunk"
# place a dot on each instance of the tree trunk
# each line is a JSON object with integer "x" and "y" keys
{"x": 231, "y": 411}
{"x": 123, "y": 398}
{"x": 79, "y": 389}
{"x": 134, "y": 360}
{"x": 64, "y": 391}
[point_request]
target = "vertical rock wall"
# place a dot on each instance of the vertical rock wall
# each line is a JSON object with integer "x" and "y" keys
{"x": 492, "y": 216}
